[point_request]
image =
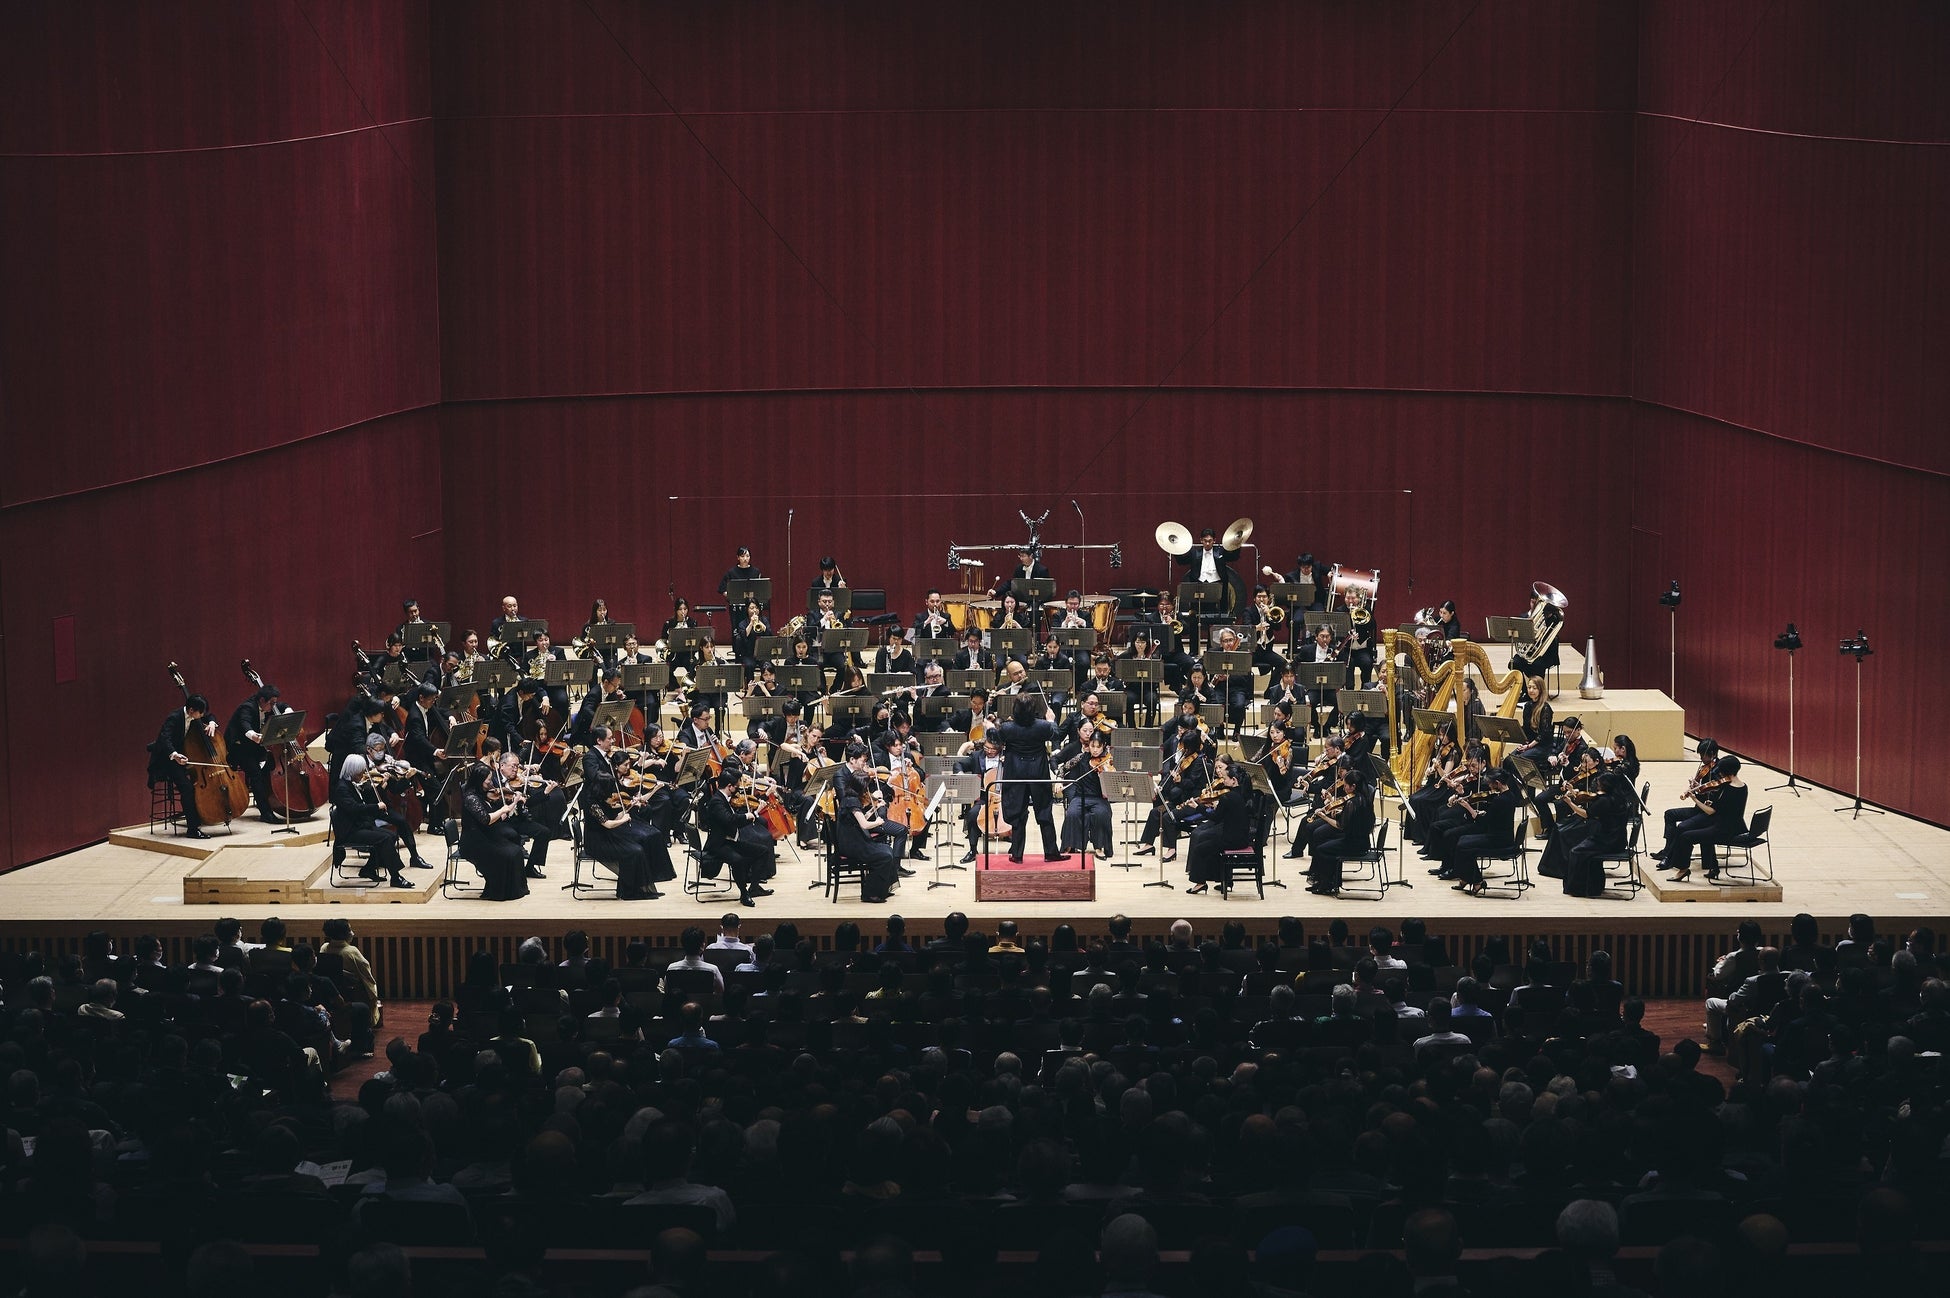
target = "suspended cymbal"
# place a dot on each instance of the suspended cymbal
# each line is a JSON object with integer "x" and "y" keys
{"x": 1174, "y": 538}
{"x": 1239, "y": 533}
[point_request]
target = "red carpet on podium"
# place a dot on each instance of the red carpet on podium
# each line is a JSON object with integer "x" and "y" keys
{"x": 1035, "y": 878}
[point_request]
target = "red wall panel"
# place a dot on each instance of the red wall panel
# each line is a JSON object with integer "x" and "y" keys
{"x": 183, "y": 567}
{"x": 1830, "y": 542}
{"x": 886, "y": 487}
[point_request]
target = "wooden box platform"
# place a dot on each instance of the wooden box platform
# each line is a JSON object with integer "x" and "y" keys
{"x": 1660, "y": 887}
{"x": 267, "y": 876}
{"x": 1035, "y": 881}
{"x": 247, "y": 831}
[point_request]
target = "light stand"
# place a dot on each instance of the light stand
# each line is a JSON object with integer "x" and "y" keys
{"x": 1859, "y": 647}
{"x": 1790, "y": 640}
{"x": 1671, "y": 600}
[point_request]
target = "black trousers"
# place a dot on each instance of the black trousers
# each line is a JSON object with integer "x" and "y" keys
{"x": 1021, "y": 796}
{"x": 1698, "y": 829}
{"x": 382, "y": 851}
{"x": 623, "y": 851}
{"x": 1087, "y": 822}
{"x": 179, "y": 778}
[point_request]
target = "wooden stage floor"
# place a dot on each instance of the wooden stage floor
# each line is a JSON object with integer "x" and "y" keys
{"x": 1826, "y": 863}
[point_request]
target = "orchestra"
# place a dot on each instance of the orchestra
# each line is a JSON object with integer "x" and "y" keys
{"x": 631, "y": 763}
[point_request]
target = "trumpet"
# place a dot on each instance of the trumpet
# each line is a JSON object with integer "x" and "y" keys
{"x": 755, "y": 625}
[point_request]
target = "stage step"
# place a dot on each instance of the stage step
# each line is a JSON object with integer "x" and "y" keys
{"x": 246, "y": 832}
{"x": 1661, "y": 887}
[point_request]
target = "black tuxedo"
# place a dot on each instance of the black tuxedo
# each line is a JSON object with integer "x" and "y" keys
{"x": 922, "y": 630}
{"x": 980, "y": 660}
{"x": 246, "y": 754}
{"x": 1025, "y": 757}
{"x": 163, "y": 770}
{"x": 729, "y": 840}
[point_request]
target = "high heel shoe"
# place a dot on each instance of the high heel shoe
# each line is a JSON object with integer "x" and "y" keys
{"x": 1195, "y": 890}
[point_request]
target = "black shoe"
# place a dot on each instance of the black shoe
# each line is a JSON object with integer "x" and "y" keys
{"x": 1291, "y": 855}
{"x": 968, "y": 856}
{"x": 1143, "y": 849}
{"x": 761, "y": 892}
{"x": 904, "y": 872}
{"x": 1015, "y": 858}
{"x": 533, "y": 873}
{"x": 369, "y": 873}
{"x": 748, "y": 903}
{"x": 399, "y": 881}
{"x": 420, "y": 863}
{"x": 193, "y": 832}
{"x": 1060, "y": 856}
{"x": 917, "y": 853}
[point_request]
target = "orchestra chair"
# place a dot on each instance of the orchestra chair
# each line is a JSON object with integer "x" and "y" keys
{"x": 593, "y": 889}
{"x": 1375, "y": 876}
{"x": 164, "y": 812}
{"x": 347, "y": 861}
{"x": 836, "y": 868}
{"x": 1627, "y": 876}
{"x": 1517, "y": 881}
{"x": 451, "y": 881}
{"x": 1249, "y": 862}
{"x": 699, "y": 886}
{"x": 1744, "y": 842}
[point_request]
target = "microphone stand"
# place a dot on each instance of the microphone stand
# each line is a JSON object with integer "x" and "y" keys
{"x": 1791, "y": 786}
{"x": 1857, "y": 808}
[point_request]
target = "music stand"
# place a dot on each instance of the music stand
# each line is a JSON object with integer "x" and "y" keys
{"x": 888, "y": 682}
{"x": 1075, "y": 639}
{"x": 1128, "y": 789}
{"x": 851, "y": 709}
{"x": 1500, "y": 730}
{"x": 1206, "y": 599}
{"x": 1142, "y": 673}
{"x": 1218, "y": 662}
{"x": 574, "y": 671}
{"x": 614, "y": 716}
{"x": 935, "y": 649}
{"x": 1512, "y": 631}
{"x": 610, "y": 636}
{"x": 1139, "y": 761}
{"x": 719, "y": 678}
{"x": 645, "y": 678}
{"x": 454, "y": 698}
{"x": 701, "y": 640}
{"x": 494, "y": 675}
{"x": 696, "y": 766}
{"x": 1054, "y": 680}
{"x": 964, "y": 680}
{"x": 396, "y": 677}
{"x": 420, "y": 634}
{"x": 1366, "y": 703}
{"x": 802, "y": 678}
{"x": 1320, "y": 679}
{"x": 962, "y": 788}
{"x": 280, "y": 734}
{"x": 942, "y": 743}
{"x": 774, "y": 649}
{"x": 462, "y": 737}
{"x": 1004, "y": 642}
{"x": 936, "y": 706}
{"x": 764, "y": 706}
{"x": 740, "y": 591}
{"x": 524, "y": 631}
{"x": 1113, "y": 703}
{"x": 1136, "y": 737}
{"x": 1339, "y": 619}
{"x": 1214, "y": 716}
{"x": 1293, "y": 596}
{"x": 843, "y": 639}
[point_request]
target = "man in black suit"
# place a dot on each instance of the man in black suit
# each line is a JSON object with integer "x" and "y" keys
{"x": 241, "y": 738}
{"x": 728, "y": 843}
{"x": 609, "y": 690}
{"x": 933, "y": 622}
{"x": 536, "y": 664}
{"x": 964, "y": 721}
{"x": 169, "y": 764}
{"x": 986, "y": 758}
{"x": 972, "y": 656}
{"x": 423, "y": 716}
{"x": 360, "y": 718}
{"x": 1028, "y": 568}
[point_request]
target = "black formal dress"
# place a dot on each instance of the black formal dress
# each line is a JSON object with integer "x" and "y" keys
{"x": 1329, "y": 845}
{"x": 1182, "y": 781}
{"x": 360, "y": 820}
{"x": 1086, "y": 812}
{"x": 1604, "y": 831}
{"x": 1025, "y": 764}
{"x": 881, "y": 858}
{"x": 1226, "y": 827}
{"x": 492, "y": 847}
{"x": 629, "y": 847}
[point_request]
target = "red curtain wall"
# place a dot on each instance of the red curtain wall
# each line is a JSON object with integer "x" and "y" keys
{"x": 1607, "y": 276}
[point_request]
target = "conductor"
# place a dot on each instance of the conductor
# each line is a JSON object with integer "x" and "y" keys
{"x": 1025, "y": 769}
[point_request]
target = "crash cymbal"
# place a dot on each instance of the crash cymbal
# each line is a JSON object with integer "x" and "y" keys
{"x": 1174, "y": 538}
{"x": 1239, "y": 533}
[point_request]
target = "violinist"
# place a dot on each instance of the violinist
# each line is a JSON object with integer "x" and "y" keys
{"x": 1569, "y": 753}
{"x": 635, "y": 851}
{"x": 660, "y": 763}
{"x": 1491, "y": 828}
{"x": 1468, "y": 788}
{"x": 422, "y": 717}
{"x": 1338, "y": 828}
{"x": 746, "y": 633}
{"x": 980, "y": 760}
{"x": 1283, "y": 769}
{"x": 360, "y": 820}
{"x": 1186, "y": 722}
{"x": 861, "y": 831}
{"x": 1089, "y": 713}
{"x": 728, "y": 842}
{"x": 1081, "y": 765}
{"x": 1227, "y": 826}
{"x": 490, "y": 838}
{"x": 933, "y": 622}
{"x": 894, "y": 656}
{"x": 1189, "y": 771}
{"x": 1719, "y": 807}
{"x": 170, "y": 764}
{"x": 741, "y": 569}
{"x": 1624, "y": 758}
{"x": 1571, "y": 816}
{"x": 1606, "y": 818}
{"x": 242, "y": 738}
{"x": 1439, "y": 783}
{"x": 384, "y": 773}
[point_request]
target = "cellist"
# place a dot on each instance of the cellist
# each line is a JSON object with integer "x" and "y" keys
{"x": 170, "y": 764}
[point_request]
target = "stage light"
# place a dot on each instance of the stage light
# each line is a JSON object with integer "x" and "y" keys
{"x": 954, "y": 559}
{"x": 1789, "y": 639}
{"x": 1671, "y": 598}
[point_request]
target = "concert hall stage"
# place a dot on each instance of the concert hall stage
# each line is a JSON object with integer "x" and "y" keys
{"x": 1827, "y": 864}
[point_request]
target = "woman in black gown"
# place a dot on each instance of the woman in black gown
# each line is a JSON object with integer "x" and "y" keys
{"x": 488, "y": 837}
{"x": 1228, "y": 825}
{"x": 1605, "y": 820}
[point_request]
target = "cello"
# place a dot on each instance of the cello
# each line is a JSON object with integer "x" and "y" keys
{"x": 221, "y": 792}
{"x": 299, "y": 785}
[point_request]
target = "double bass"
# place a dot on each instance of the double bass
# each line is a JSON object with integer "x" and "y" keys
{"x": 221, "y": 792}
{"x": 299, "y": 785}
